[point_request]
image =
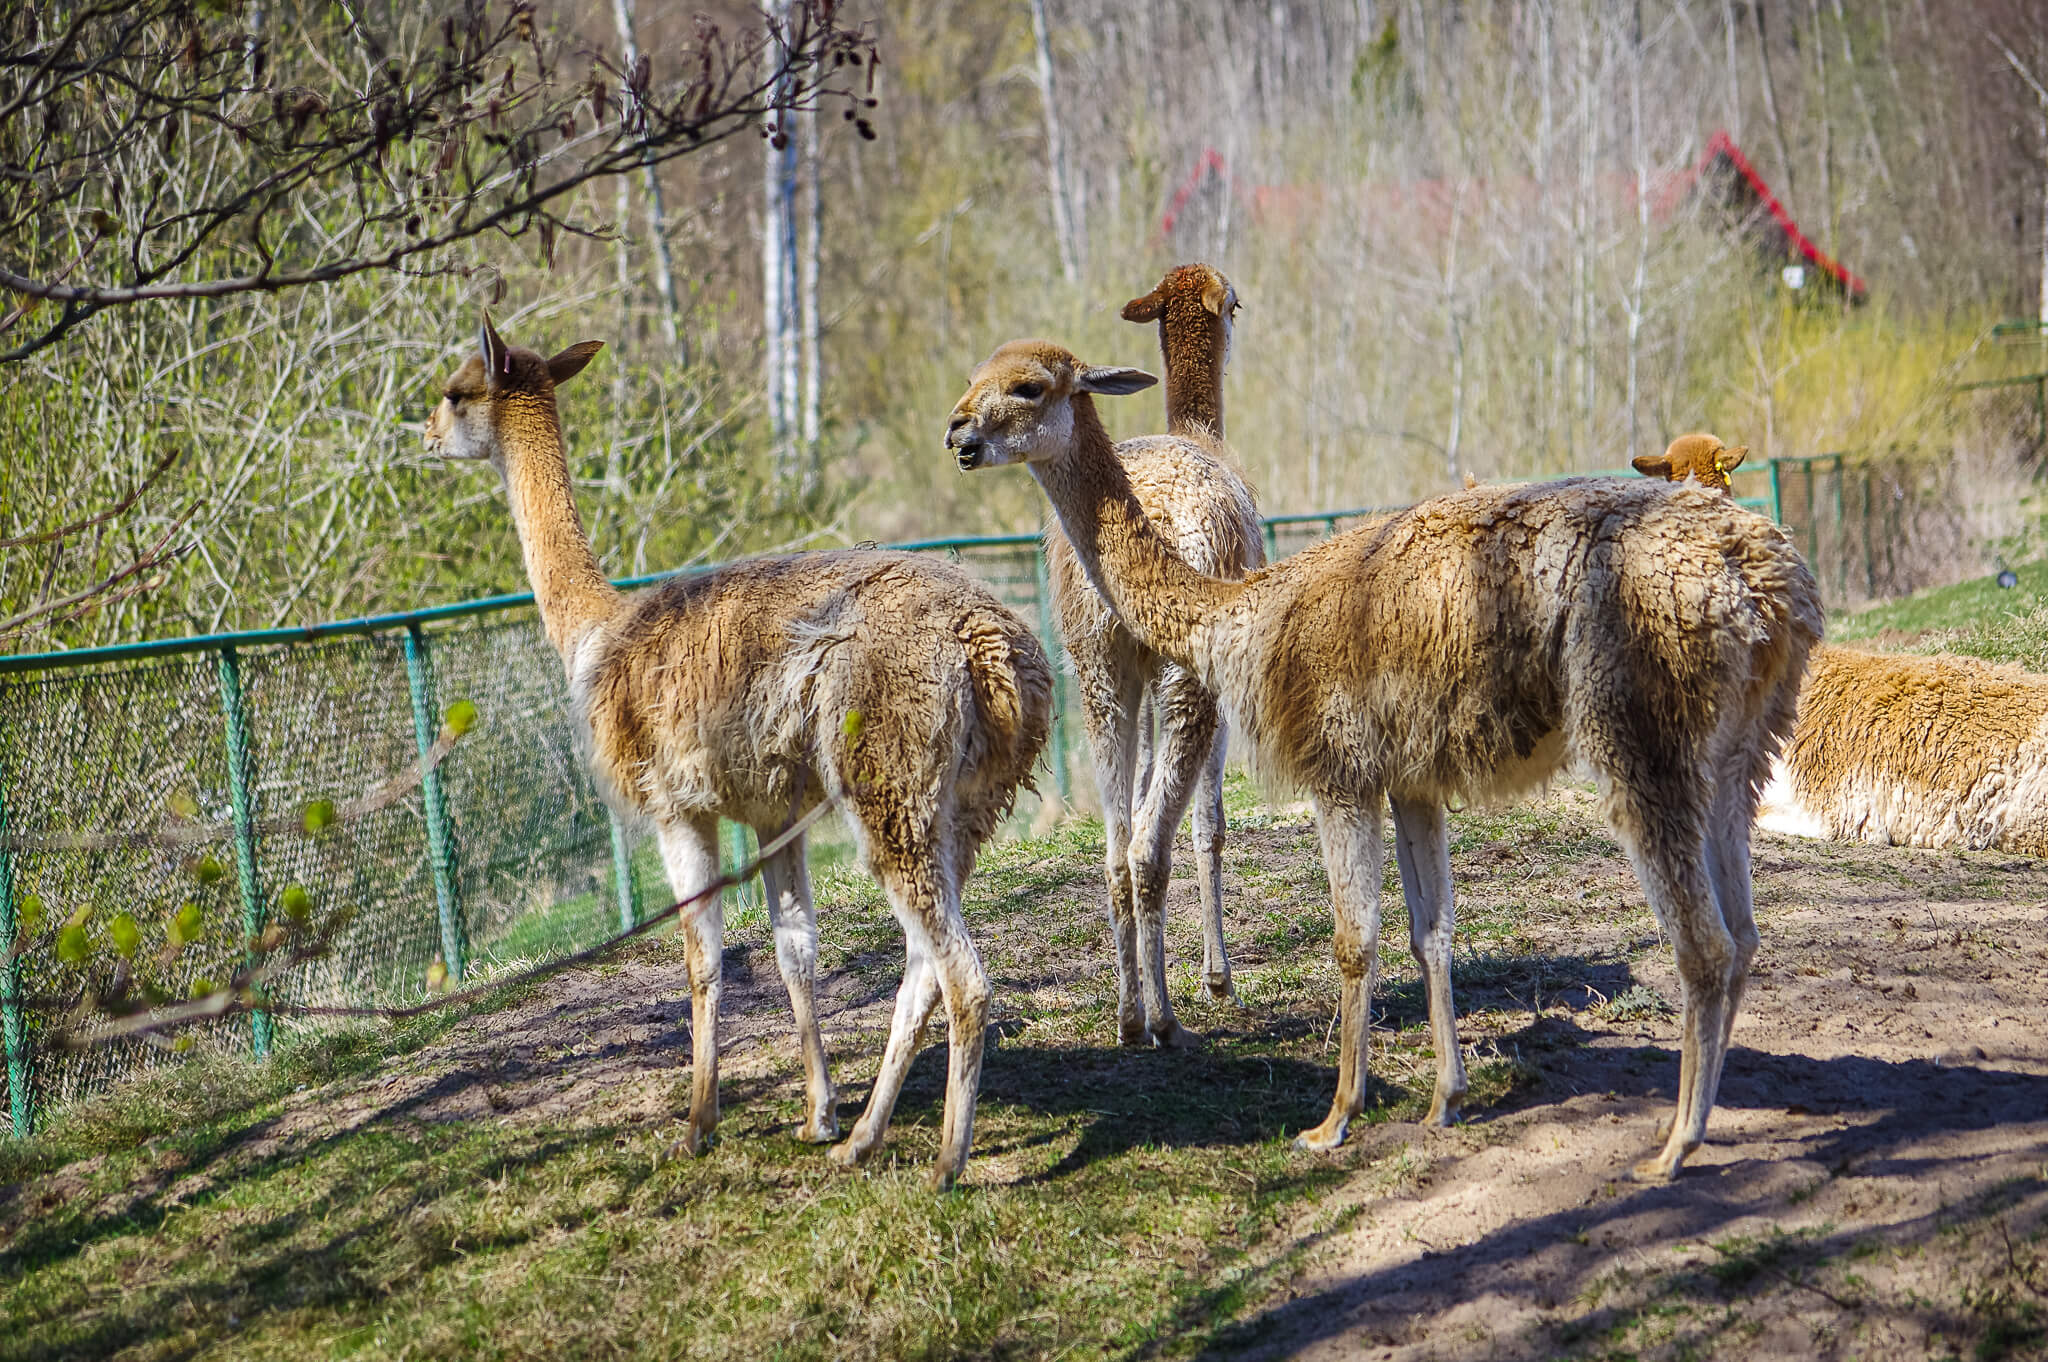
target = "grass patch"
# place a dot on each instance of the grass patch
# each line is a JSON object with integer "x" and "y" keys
{"x": 1976, "y": 617}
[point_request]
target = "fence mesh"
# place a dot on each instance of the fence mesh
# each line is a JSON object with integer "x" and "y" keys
{"x": 117, "y": 794}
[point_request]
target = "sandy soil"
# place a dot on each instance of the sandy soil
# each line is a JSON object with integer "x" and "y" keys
{"x": 1876, "y": 1169}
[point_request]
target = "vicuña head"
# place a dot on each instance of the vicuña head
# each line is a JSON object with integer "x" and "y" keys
{"x": 1024, "y": 402}
{"x": 500, "y": 406}
{"x": 501, "y": 394}
{"x": 1699, "y": 456}
{"x": 1195, "y": 307}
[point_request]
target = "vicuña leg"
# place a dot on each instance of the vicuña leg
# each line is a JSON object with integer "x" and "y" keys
{"x": 1111, "y": 716}
{"x": 689, "y": 853}
{"x": 794, "y": 919}
{"x": 915, "y": 1000}
{"x": 1728, "y": 872}
{"x": 943, "y": 963}
{"x": 1187, "y": 736}
{"x": 1355, "y": 856}
{"x": 1423, "y": 849}
{"x": 1209, "y": 869}
{"x": 1662, "y": 828}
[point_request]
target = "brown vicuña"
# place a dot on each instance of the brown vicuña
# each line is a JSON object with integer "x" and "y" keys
{"x": 1189, "y": 489}
{"x": 1464, "y": 649}
{"x": 887, "y": 682}
{"x": 1936, "y": 751}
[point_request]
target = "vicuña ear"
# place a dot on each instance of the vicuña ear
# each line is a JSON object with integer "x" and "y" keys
{"x": 1214, "y": 296}
{"x": 1652, "y": 465}
{"x": 1111, "y": 380}
{"x": 1728, "y": 460}
{"x": 570, "y": 362}
{"x": 497, "y": 356}
{"x": 1145, "y": 309}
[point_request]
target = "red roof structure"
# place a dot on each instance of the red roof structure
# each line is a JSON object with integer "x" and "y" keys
{"x": 1743, "y": 190}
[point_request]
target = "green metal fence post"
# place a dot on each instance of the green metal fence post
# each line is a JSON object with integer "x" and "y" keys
{"x": 1272, "y": 542}
{"x": 13, "y": 1020}
{"x": 736, "y": 849}
{"x": 419, "y": 681}
{"x": 1777, "y": 494}
{"x": 1049, "y": 634}
{"x": 1841, "y": 525}
{"x": 627, "y": 892}
{"x": 241, "y": 797}
{"x": 1812, "y": 520}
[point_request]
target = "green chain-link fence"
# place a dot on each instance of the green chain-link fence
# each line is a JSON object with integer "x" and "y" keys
{"x": 185, "y": 792}
{"x": 197, "y": 787}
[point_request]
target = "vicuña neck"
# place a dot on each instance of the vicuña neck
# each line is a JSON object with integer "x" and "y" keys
{"x": 1158, "y": 596}
{"x": 1192, "y": 343}
{"x": 568, "y": 585}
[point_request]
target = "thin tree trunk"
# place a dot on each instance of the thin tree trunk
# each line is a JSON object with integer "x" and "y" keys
{"x": 1457, "y": 335}
{"x": 778, "y": 277}
{"x": 657, "y": 220}
{"x": 1583, "y": 229}
{"x": 1638, "y": 286}
{"x": 1827, "y": 136}
{"x": 1734, "y": 73}
{"x": 1763, "y": 48}
{"x": 814, "y": 223}
{"x": 1055, "y": 150}
{"x": 1877, "y": 156}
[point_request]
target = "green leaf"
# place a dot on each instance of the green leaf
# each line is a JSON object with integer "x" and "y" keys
{"x": 28, "y": 915}
{"x": 202, "y": 986}
{"x": 182, "y": 1044}
{"x": 296, "y": 904}
{"x": 319, "y": 816}
{"x": 79, "y": 916}
{"x": 208, "y": 870}
{"x": 125, "y": 935}
{"x": 183, "y": 804}
{"x": 437, "y": 976}
{"x": 461, "y": 717}
{"x": 72, "y": 947}
{"x": 190, "y": 922}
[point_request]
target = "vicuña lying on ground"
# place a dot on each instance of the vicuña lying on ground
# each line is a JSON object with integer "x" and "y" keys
{"x": 1461, "y": 650}
{"x": 887, "y": 682}
{"x": 1187, "y": 486}
{"x": 1938, "y": 751}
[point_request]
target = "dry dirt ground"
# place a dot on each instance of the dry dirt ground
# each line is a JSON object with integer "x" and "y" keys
{"x": 1874, "y": 1185}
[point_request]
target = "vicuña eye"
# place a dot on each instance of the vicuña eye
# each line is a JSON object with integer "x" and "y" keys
{"x": 1030, "y": 392}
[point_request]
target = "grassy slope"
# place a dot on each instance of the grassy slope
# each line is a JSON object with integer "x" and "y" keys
{"x": 1115, "y": 1197}
{"x": 1977, "y": 617}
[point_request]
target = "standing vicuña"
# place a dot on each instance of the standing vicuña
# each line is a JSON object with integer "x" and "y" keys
{"x": 1463, "y": 650}
{"x": 1938, "y": 751}
{"x": 889, "y": 683}
{"x": 1186, "y": 484}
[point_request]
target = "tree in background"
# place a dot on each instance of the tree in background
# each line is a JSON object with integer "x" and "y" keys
{"x": 210, "y": 162}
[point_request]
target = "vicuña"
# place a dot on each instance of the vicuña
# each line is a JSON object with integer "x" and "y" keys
{"x": 889, "y": 683}
{"x": 1462, "y": 650}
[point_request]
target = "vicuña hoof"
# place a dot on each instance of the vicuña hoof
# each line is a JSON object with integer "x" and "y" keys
{"x": 1656, "y": 1170}
{"x": 1178, "y": 1037}
{"x": 847, "y": 1155}
{"x": 1132, "y": 1035}
{"x": 1325, "y": 1137}
{"x": 1220, "y": 988}
{"x": 941, "y": 1179}
{"x": 1443, "y": 1114}
{"x": 819, "y": 1130}
{"x": 694, "y": 1141}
